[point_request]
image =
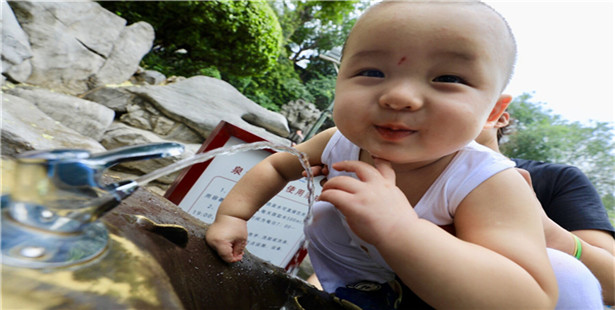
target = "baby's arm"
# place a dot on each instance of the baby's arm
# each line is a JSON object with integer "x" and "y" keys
{"x": 597, "y": 249}
{"x": 498, "y": 259}
{"x": 228, "y": 234}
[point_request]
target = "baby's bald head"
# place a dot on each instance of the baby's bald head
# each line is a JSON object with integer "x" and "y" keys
{"x": 501, "y": 33}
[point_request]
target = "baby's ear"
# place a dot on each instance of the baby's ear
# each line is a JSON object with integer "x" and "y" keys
{"x": 498, "y": 110}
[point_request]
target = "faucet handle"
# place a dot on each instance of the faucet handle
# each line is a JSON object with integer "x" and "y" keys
{"x": 139, "y": 152}
{"x": 101, "y": 161}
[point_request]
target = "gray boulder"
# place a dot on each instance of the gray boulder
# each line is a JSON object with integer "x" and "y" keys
{"x": 85, "y": 117}
{"x": 201, "y": 102}
{"x": 150, "y": 77}
{"x": 25, "y": 128}
{"x": 77, "y": 46}
{"x": 300, "y": 114}
{"x": 141, "y": 114}
{"x": 134, "y": 42}
{"x": 113, "y": 97}
{"x": 73, "y": 62}
{"x": 15, "y": 47}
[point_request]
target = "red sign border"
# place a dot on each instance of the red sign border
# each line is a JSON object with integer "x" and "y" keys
{"x": 216, "y": 139}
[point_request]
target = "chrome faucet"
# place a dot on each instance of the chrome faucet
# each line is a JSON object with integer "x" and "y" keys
{"x": 58, "y": 195}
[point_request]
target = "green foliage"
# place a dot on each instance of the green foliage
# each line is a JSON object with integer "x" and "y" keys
{"x": 241, "y": 38}
{"x": 322, "y": 89}
{"x": 246, "y": 44}
{"x": 309, "y": 28}
{"x": 539, "y": 135}
{"x": 313, "y": 27}
{"x": 275, "y": 88}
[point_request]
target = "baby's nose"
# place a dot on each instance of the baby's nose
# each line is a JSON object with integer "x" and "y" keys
{"x": 401, "y": 96}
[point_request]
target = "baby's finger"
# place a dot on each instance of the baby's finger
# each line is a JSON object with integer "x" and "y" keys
{"x": 363, "y": 171}
{"x": 338, "y": 198}
{"x": 324, "y": 170}
{"x": 317, "y": 171}
{"x": 343, "y": 183}
{"x": 385, "y": 168}
{"x": 225, "y": 252}
{"x": 238, "y": 248}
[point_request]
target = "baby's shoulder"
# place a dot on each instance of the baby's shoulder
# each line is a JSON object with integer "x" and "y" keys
{"x": 315, "y": 146}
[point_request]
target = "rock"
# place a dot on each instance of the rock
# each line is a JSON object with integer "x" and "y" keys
{"x": 301, "y": 114}
{"x": 141, "y": 114}
{"x": 150, "y": 77}
{"x": 85, "y": 117}
{"x": 183, "y": 133}
{"x": 15, "y": 47}
{"x": 72, "y": 42}
{"x": 115, "y": 98}
{"x": 201, "y": 102}
{"x": 25, "y": 128}
{"x": 81, "y": 56}
{"x": 134, "y": 42}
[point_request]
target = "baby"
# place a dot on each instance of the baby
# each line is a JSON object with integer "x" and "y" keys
{"x": 410, "y": 196}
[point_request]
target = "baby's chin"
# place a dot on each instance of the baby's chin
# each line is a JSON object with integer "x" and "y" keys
{"x": 398, "y": 159}
{"x": 406, "y": 159}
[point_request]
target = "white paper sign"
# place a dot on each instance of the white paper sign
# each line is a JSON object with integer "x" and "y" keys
{"x": 275, "y": 232}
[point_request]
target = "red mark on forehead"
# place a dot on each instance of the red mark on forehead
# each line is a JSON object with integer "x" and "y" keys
{"x": 401, "y": 60}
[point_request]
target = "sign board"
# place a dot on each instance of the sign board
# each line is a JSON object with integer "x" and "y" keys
{"x": 275, "y": 232}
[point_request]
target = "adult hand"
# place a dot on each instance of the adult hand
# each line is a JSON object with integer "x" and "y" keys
{"x": 526, "y": 175}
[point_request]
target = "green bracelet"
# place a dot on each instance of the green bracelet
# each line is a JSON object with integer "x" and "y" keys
{"x": 578, "y": 248}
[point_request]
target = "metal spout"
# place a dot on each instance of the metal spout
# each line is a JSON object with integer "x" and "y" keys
{"x": 55, "y": 198}
{"x": 67, "y": 185}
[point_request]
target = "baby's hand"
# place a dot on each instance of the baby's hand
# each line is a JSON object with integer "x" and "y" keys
{"x": 228, "y": 236}
{"x": 373, "y": 205}
{"x": 320, "y": 170}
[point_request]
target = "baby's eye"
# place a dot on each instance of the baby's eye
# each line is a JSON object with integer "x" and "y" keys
{"x": 449, "y": 79}
{"x": 371, "y": 73}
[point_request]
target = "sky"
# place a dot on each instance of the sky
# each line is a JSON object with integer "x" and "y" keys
{"x": 565, "y": 55}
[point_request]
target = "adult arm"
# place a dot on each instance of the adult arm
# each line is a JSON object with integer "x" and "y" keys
{"x": 602, "y": 265}
{"x": 598, "y": 238}
{"x": 599, "y": 261}
{"x": 568, "y": 187}
{"x": 570, "y": 200}
{"x": 576, "y": 206}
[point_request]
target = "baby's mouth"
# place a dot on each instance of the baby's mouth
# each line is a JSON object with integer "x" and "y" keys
{"x": 393, "y": 133}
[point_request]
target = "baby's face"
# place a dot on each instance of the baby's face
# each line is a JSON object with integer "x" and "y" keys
{"x": 418, "y": 80}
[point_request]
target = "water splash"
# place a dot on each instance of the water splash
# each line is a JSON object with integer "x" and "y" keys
{"x": 230, "y": 150}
